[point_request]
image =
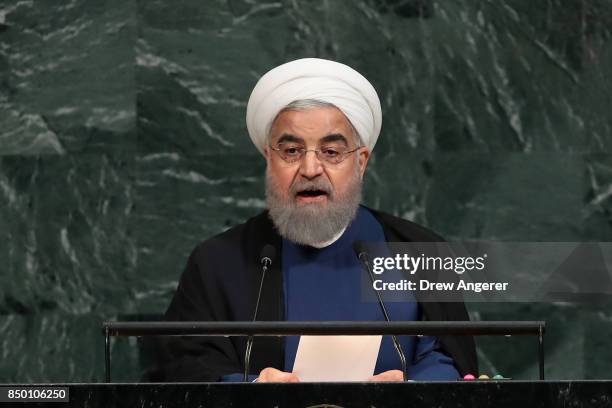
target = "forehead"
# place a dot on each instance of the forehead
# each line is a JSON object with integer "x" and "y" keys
{"x": 311, "y": 124}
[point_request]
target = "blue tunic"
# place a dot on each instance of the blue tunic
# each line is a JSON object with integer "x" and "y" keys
{"x": 328, "y": 284}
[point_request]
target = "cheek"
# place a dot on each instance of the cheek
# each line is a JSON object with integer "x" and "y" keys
{"x": 339, "y": 179}
{"x": 343, "y": 179}
{"x": 283, "y": 177}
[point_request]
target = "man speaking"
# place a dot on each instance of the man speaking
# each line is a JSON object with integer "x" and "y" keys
{"x": 315, "y": 122}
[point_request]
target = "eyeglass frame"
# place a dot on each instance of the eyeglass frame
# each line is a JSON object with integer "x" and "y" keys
{"x": 304, "y": 151}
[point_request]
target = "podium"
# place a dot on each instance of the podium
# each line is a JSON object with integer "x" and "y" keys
{"x": 323, "y": 328}
{"x": 499, "y": 394}
{"x": 456, "y": 394}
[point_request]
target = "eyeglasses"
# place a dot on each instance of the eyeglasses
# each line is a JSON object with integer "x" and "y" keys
{"x": 295, "y": 152}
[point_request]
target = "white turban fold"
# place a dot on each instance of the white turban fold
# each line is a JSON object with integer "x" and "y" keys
{"x": 318, "y": 79}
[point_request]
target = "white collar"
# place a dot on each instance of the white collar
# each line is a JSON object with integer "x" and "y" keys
{"x": 321, "y": 245}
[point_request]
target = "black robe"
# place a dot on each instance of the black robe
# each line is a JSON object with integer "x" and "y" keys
{"x": 220, "y": 283}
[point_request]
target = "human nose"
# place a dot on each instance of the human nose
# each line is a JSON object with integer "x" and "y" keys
{"x": 310, "y": 165}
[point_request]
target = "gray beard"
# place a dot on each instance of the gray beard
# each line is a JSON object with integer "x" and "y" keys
{"x": 313, "y": 223}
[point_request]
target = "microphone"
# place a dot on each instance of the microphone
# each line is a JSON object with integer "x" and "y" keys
{"x": 361, "y": 251}
{"x": 268, "y": 253}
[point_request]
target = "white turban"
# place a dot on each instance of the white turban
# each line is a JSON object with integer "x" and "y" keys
{"x": 319, "y": 79}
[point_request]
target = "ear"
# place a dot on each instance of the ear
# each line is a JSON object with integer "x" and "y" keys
{"x": 266, "y": 153}
{"x": 363, "y": 157}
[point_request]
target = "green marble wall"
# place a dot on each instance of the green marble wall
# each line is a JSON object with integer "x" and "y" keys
{"x": 123, "y": 144}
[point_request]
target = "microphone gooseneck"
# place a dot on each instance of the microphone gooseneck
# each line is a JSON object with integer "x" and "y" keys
{"x": 361, "y": 251}
{"x": 267, "y": 256}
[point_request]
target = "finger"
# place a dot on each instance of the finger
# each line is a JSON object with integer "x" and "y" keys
{"x": 395, "y": 375}
{"x": 388, "y": 376}
{"x": 270, "y": 374}
{"x": 267, "y": 374}
{"x": 282, "y": 376}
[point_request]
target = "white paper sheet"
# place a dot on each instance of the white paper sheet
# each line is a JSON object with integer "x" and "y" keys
{"x": 336, "y": 358}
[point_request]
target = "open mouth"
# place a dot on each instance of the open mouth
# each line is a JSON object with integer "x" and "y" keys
{"x": 311, "y": 195}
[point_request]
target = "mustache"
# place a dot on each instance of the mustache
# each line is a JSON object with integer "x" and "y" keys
{"x": 317, "y": 184}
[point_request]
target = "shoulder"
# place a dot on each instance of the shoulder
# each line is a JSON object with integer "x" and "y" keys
{"x": 214, "y": 281}
{"x": 224, "y": 259}
{"x": 399, "y": 229}
{"x": 237, "y": 239}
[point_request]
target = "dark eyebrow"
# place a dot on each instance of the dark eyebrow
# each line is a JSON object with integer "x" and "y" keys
{"x": 286, "y": 137}
{"x": 334, "y": 137}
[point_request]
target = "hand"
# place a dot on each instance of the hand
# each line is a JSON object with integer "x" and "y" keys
{"x": 388, "y": 376}
{"x": 270, "y": 374}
